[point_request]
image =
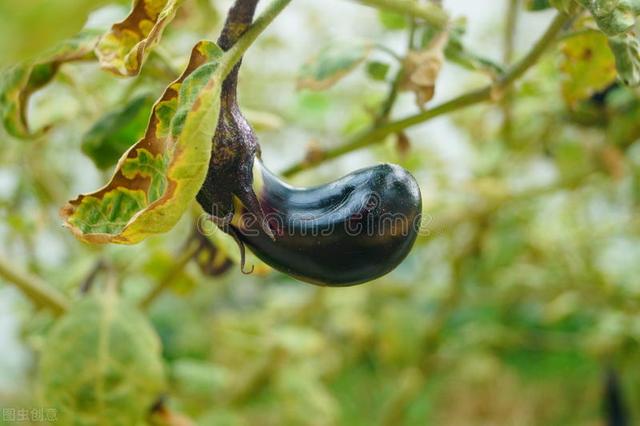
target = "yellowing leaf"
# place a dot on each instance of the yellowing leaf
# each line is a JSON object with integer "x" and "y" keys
{"x": 331, "y": 64}
{"x": 19, "y": 82}
{"x": 587, "y": 66}
{"x": 422, "y": 69}
{"x": 158, "y": 177}
{"x": 125, "y": 47}
{"x": 102, "y": 360}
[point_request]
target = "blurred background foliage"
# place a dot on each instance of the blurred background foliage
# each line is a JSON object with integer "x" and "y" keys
{"x": 510, "y": 310}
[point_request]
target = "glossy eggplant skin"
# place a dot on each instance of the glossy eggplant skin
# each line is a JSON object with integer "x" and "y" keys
{"x": 346, "y": 232}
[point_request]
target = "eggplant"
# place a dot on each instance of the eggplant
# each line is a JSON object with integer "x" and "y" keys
{"x": 346, "y": 232}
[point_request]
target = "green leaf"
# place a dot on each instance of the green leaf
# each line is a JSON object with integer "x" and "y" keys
{"x": 332, "y": 63}
{"x": 624, "y": 115}
{"x": 392, "y": 21}
{"x": 535, "y": 5}
{"x": 116, "y": 131}
{"x": 196, "y": 378}
{"x": 456, "y": 52}
{"x": 102, "y": 360}
{"x": 158, "y": 177}
{"x": 613, "y": 16}
{"x": 378, "y": 70}
{"x": 125, "y": 47}
{"x": 587, "y": 66}
{"x": 29, "y": 28}
{"x": 19, "y": 82}
{"x": 626, "y": 50}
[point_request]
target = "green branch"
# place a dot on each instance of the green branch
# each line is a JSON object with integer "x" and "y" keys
{"x": 377, "y": 133}
{"x": 511, "y": 24}
{"x": 432, "y": 14}
{"x": 233, "y": 55}
{"x": 38, "y": 291}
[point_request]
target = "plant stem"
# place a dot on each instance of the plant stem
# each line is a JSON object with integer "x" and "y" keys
{"x": 431, "y": 13}
{"x": 377, "y": 133}
{"x": 234, "y": 54}
{"x": 509, "y": 36}
{"x": 238, "y": 20}
{"x": 38, "y": 291}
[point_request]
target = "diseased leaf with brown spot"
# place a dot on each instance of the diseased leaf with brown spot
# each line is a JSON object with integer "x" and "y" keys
{"x": 125, "y": 47}
{"x": 19, "y": 82}
{"x": 422, "y": 69}
{"x": 158, "y": 177}
{"x": 587, "y": 66}
{"x": 332, "y": 63}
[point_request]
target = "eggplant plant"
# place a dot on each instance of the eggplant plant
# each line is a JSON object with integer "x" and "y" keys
{"x": 346, "y": 232}
{"x": 139, "y": 334}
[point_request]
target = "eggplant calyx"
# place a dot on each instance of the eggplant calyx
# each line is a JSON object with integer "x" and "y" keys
{"x": 234, "y": 144}
{"x": 231, "y": 170}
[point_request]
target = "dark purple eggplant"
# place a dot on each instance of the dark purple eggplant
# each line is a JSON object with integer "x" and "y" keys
{"x": 347, "y": 232}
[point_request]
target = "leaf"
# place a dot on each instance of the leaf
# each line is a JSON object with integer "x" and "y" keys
{"x": 403, "y": 144}
{"x": 125, "y": 47}
{"x": 102, "y": 360}
{"x": 422, "y": 69}
{"x": 116, "y": 131}
{"x": 535, "y": 5}
{"x": 30, "y": 28}
{"x": 158, "y": 177}
{"x": 587, "y": 66}
{"x": 392, "y": 21}
{"x": 626, "y": 50}
{"x": 332, "y": 63}
{"x": 195, "y": 377}
{"x": 19, "y": 82}
{"x": 378, "y": 70}
{"x": 624, "y": 115}
{"x": 456, "y": 52}
{"x": 613, "y": 16}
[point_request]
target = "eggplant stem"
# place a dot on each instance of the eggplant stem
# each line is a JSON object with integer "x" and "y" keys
{"x": 234, "y": 234}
